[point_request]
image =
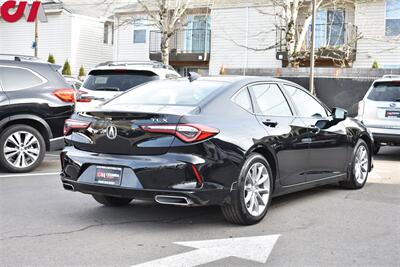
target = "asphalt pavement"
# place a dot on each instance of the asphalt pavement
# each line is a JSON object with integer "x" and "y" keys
{"x": 41, "y": 224}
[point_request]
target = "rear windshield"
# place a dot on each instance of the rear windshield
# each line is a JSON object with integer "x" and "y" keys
{"x": 389, "y": 91}
{"x": 178, "y": 92}
{"x": 117, "y": 80}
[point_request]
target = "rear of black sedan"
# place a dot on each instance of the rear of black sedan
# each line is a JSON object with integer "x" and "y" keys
{"x": 232, "y": 142}
{"x": 155, "y": 142}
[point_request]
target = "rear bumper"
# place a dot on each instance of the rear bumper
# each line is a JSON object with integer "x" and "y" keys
{"x": 387, "y": 138}
{"x": 385, "y": 135}
{"x": 200, "y": 197}
{"x": 144, "y": 177}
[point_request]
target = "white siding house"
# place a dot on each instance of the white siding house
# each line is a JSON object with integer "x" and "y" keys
{"x": 371, "y": 18}
{"x": 68, "y": 36}
{"x": 125, "y": 47}
{"x": 241, "y": 30}
{"x": 239, "y": 35}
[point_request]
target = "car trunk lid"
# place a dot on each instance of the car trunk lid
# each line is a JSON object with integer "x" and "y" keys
{"x": 119, "y": 131}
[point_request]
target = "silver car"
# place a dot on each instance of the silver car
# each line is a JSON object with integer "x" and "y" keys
{"x": 380, "y": 111}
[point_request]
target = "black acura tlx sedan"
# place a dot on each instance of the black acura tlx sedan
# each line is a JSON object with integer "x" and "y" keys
{"x": 228, "y": 141}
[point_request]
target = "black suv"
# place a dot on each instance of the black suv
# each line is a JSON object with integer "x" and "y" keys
{"x": 35, "y": 100}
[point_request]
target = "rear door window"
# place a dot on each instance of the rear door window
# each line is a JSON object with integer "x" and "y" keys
{"x": 388, "y": 91}
{"x": 13, "y": 78}
{"x": 117, "y": 80}
{"x": 270, "y": 99}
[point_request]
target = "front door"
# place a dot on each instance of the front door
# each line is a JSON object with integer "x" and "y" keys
{"x": 327, "y": 140}
{"x": 285, "y": 133}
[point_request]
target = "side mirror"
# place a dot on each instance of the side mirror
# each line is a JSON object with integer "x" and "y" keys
{"x": 339, "y": 114}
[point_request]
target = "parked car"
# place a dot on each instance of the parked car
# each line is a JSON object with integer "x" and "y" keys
{"x": 35, "y": 101}
{"x": 110, "y": 79}
{"x": 228, "y": 141}
{"x": 73, "y": 82}
{"x": 380, "y": 111}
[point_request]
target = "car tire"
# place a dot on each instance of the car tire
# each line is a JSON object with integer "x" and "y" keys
{"x": 250, "y": 201}
{"x": 22, "y": 148}
{"x": 377, "y": 147}
{"x": 359, "y": 168}
{"x": 112, "y": 201}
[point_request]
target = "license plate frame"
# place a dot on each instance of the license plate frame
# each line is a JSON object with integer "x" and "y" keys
{"x": 392, "y": 114}
{"x": 108, "y": 175}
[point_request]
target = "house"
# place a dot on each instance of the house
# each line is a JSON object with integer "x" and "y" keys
{"x": 379, "y": 22}
{"x": 75, "y": 31}
{"x": 243, "y": 35}
{"x": 137, "y": 39}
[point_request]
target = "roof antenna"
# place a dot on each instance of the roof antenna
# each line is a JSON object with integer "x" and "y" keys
{"x": 192, "y": 76}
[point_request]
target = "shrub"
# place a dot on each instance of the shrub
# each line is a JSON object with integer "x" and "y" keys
{"x": 81, "y": 71}
{"x": 375, "y": 65}
{"x": 51, "y": 59}
{"x": 66, "y": 68}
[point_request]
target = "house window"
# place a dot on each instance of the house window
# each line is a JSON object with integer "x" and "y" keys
{"x": 139, "y": 36}
{"x": 140, "y": 29}
{"x": 105, "y": 36}
{"x": 329, "y": 29}
{"x": 197, "y": 34}
{"x": 392, "y": 18}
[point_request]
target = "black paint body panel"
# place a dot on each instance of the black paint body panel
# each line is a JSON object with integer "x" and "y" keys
{"x": 299, "y": 157}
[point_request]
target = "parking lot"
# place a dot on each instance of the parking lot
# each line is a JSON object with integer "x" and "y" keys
{"x": 44, "y": 225}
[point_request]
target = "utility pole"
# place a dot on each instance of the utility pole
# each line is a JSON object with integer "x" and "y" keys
{"x": 312, "y": 57}
{"x": 36, "y": 36}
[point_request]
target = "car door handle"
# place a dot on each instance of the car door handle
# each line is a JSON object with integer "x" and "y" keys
{"x": 270, "y": 123}
{"x": 315, "y": 129}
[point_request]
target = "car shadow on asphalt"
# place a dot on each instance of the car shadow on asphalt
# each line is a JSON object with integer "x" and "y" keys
{"x": 158, "y": 215}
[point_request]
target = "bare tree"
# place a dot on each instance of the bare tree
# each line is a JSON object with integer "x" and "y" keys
{"x": 290, "y": 14}
{"x": 167, "y": 16}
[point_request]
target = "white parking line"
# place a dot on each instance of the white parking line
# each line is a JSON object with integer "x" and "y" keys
{"x": 29, "y": 174}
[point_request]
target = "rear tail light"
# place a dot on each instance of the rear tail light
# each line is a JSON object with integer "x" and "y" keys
{"x": 361, "y": 105}
{"x": 79, "y": 97}
{"x": 71, "y": 125}
{"x": 188, "y": 133}
{"x": 65, "y": 94}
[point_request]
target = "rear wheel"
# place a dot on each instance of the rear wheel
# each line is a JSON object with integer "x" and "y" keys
{"x": 359, "y": 167}
{"x": 22, "y": 148}
{"x": 112, "y": 201}
{"x": 250, "y": 202}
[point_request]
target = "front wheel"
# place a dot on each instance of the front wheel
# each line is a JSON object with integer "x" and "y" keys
{"x": 358, "y": 173}
{"x": 250, "y": 202}
{"x": 112, "y": 201}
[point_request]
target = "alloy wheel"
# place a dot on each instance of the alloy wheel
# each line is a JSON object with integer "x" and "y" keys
{"x": 256, "y": 189}
{"x": 21, "y": 149}
{"x": 361, "y": 164}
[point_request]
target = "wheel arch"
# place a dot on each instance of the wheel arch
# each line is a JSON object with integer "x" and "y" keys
{"x": 270, "y": 156}
{"x": 370, "y": 144}
{"x": 32, "y": 120}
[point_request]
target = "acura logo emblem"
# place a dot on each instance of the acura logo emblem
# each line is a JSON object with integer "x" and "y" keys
{"x": 111, "y": 132}
{"x": 392, "y": 105}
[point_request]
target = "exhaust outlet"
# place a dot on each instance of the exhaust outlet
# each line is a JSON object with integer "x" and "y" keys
{"x": 173, "y": 200}
{"x": 68, "y": 187}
